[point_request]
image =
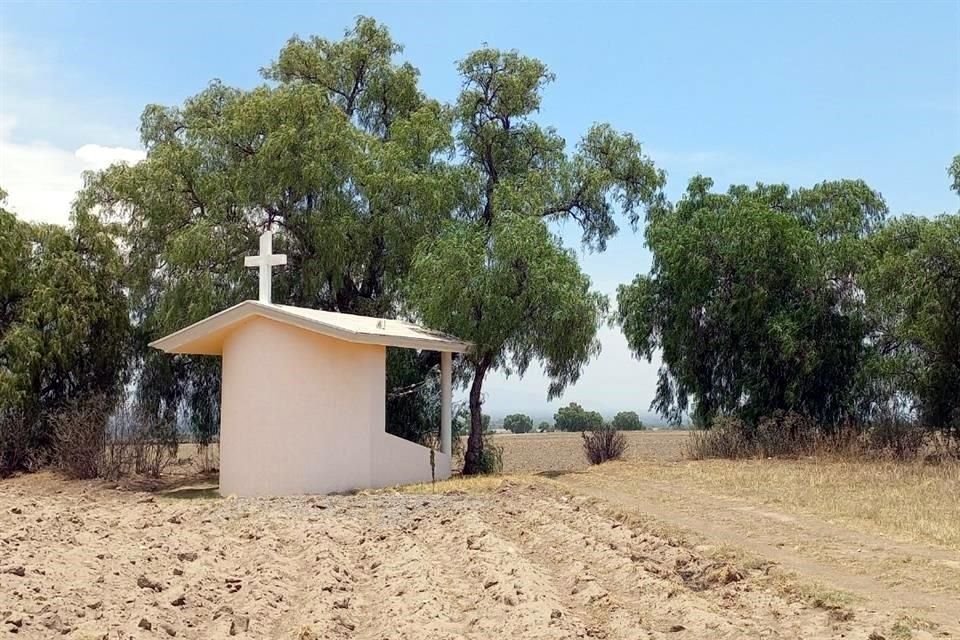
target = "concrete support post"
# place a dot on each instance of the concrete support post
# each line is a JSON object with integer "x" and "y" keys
{"x": 446, "y": 405}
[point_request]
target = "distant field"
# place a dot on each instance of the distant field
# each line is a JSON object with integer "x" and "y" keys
{"x": 544, "y": 452}
{"x": 540, "y": 452}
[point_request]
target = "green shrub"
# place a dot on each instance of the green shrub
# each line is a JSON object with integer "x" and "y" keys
{"x": 491, "y": 458}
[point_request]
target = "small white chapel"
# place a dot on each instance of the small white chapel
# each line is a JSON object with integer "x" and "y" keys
{"x": 304, "y": 394}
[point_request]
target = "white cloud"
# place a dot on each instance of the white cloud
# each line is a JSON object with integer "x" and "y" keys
{"x": 42, "y": 179}
{"x": 100, "y": 157}
{"x": 47, "y": 137}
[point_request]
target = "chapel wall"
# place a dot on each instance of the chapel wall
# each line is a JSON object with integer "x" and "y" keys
{"x": 299, "y": 411}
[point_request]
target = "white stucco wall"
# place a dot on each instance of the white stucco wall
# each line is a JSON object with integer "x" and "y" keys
{"x": 398, "y": 461}
{"x": 304, "y": 413}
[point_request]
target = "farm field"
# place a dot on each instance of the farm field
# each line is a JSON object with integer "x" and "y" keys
{"x": 558, "y": 452}
{"x": 653, "y": 547}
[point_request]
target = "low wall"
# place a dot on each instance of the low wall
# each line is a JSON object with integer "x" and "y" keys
{"x": 398, "y": 461}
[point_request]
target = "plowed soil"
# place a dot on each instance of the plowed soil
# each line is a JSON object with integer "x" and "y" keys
{"x": 526, "y": 559}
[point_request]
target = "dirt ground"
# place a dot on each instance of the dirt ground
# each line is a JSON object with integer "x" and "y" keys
{"x": 570, "y": 553}
{"x": 879, "y": 535}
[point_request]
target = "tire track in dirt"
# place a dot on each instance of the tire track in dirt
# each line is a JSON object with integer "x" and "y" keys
{"x": 823, "y": 552}
{"x": 628, "y": 580}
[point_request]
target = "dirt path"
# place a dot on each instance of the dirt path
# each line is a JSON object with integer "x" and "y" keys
{"x": 524, "y": 561}
{"x": 883, "y": 574}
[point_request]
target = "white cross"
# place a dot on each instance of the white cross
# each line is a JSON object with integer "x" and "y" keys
{"x": 265, "y": 261}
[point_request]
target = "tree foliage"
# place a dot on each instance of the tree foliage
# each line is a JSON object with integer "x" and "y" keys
{"x": 340, "y": 151}
{"x": 413, "y": 405}
{"x": 384, "y": 200}
{"x": 63, "y": 328}
{"x": 496, "y": 275}
{"x": 954, "y": 172}
{"x": 913, "y": 294}
{"x": 771, "y": 302}
{"x": 753, "y": 300}
{"x": 627, "y": 421}
{"x": 762, "y": 301}
{"x": 573, "y": 417}
{"x": 518, "y": 423}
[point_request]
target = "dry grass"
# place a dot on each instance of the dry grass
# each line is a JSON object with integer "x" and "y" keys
{"x": 911, "y": 500}
{"x": 456, "y": 484}
{"x": 914, "y": 501}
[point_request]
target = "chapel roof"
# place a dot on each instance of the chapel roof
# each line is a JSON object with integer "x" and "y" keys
{"x": 206, "y": 336}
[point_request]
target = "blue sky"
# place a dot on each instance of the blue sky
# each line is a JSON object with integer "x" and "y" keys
{"x": 742, "y": 92}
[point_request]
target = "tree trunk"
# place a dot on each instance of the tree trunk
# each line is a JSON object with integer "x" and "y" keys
{"x": 472, "y": 459}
